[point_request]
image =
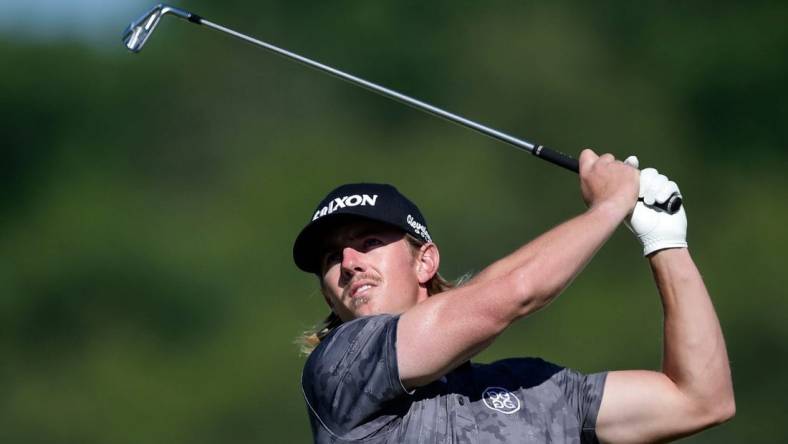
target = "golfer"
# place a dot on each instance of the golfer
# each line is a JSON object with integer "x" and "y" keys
{"x": 391, "y": 362}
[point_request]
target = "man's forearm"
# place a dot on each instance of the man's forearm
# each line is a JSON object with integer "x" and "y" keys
{"x": 695, "y": 357}
{"x": 547, "y": 264}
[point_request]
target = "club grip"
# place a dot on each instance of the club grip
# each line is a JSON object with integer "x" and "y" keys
{"x": 671, "y": 206}
{"x": 556, "y": 157}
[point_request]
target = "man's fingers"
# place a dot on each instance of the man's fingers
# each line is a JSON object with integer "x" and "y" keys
{"x": 646, "y": 176}
{"x": 653, "y": 187}
{"x": 666, "y": 191}
{"x": 607, "y": 158}
{"x": 587, "y": 158}
{"x": 632, "y": 161}
{"x": 588, "y": 155}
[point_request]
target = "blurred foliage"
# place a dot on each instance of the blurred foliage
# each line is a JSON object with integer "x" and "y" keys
{"x": 148, "y": 202}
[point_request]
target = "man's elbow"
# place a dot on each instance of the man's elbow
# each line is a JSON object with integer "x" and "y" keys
{"x": 725, "y": 411}
{"x": 718, "y": 412}
{"x": 531, "y": 294}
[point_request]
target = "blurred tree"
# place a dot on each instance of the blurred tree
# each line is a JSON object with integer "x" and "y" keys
{"x": 148, "y": 202}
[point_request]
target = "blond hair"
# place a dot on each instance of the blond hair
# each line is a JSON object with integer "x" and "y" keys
{"x": 311, "y": 338}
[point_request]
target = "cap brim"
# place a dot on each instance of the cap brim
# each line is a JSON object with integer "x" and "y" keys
{"x": 307, "y": 249}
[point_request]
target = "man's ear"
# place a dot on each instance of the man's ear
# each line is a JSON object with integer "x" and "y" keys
{"x": 428, "y": 261}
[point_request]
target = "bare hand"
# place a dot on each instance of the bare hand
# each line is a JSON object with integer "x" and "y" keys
{"x": 605, "y": 180}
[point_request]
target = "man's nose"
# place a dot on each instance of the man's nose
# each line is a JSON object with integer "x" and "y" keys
{"x": 353, "y": 260}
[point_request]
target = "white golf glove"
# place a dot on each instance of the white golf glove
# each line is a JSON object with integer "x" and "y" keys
{"x": 656, "y": 229}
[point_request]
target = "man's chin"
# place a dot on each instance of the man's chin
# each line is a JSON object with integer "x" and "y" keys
{"x": 365, "y": 310}
{"x": 365, "y": 307}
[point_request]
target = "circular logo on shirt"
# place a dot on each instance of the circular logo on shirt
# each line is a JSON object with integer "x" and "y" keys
{"x": 501, "y": 400}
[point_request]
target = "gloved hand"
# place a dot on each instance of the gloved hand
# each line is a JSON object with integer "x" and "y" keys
{"x": 656, "y": 229}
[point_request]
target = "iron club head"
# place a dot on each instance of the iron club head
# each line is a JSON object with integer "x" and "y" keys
{"x": 138, "y": 31}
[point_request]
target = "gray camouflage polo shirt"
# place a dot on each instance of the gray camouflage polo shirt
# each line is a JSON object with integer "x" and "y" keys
{"x": 353, "y": 393}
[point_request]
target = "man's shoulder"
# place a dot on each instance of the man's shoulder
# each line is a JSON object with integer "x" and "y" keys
{"x": 348, "y": 337}
{"x": 351, "y": 376}
{"x": 354, "y": 326}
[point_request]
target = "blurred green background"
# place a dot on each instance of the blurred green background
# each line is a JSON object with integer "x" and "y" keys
{"x": 148, "y": 202}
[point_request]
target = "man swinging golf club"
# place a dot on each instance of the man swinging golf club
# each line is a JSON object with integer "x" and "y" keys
{"x": 391, "y": 362}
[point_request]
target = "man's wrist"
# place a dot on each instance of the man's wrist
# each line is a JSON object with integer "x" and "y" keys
{"x": 667, "y": 255}
{"x": 651, "y": 248}
{"x": 612, "y": 211}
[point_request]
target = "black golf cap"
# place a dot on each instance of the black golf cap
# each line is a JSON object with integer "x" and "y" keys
{"x": 372, "y": 201}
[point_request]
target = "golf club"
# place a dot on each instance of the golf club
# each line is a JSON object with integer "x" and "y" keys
{"x": 138, "y": 32}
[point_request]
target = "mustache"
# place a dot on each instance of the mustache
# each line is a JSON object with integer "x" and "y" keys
{"x": 360, "y": 277}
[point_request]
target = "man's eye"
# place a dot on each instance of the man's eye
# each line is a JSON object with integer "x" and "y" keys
{"x": 332, "y": 257}
{"x": 372, "y": 242}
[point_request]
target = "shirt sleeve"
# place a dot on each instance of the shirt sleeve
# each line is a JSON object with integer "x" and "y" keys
{"x": 584, "y": 395}
{"x": 351, "y": 381}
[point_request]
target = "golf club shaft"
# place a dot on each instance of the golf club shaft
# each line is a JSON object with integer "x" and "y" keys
{"x": 538, "y": 150}
{"x": 555, "y": 157}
